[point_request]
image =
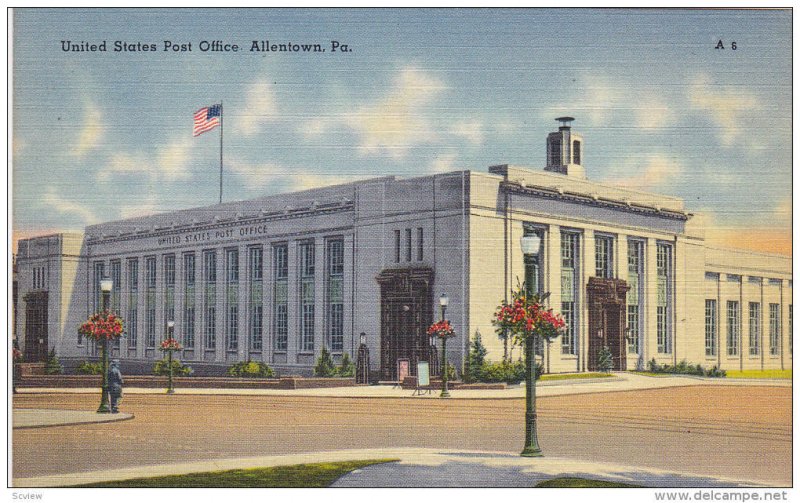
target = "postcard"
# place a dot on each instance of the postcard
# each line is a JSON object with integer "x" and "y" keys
{"x": 388, "y": 248}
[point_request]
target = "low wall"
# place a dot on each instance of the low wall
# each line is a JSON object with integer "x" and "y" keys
{"x": 95, "y": 381}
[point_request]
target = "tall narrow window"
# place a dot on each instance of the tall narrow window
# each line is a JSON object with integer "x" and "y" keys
{"x": 711, "y": 327}
{"x": 232, "y": 300}
{"x": 755, "y": 328}
{"x": 99, "y": 273}
{"x": 408, "y": 245}
{"x": 169, "y": 290}
{"x": 635, "y": 274}
{"x": 133, "y": 302}
{"x": 189, "y": 274}
{"x": 335, "y": 293}
{"x": 150, "y": 302}
{"x": 555, "y": 152}
{"x": 306, "y": 296}
{"x": 774, "y": 329}
{"x": 733, "y": 328}
{"x": 116, "y": 292}
{"x": 280, "y": 258}
{"x": 397, "y": 246}
{"x": 569, "y": 279}
{"x": 663, "y": 298}
{"x": 576, "y": 152}
{"x": 210, "y": 299}
{"x": 116, "y": 285}
{"x": 420, "y": 244}
{"x": 604, "y": 260}
{"x": 256, "y": 272}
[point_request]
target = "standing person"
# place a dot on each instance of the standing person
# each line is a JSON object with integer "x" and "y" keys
{"x": 114, "y": 385}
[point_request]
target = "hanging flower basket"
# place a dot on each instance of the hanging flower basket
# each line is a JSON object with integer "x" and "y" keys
{"x": 525, "y": 319}
{"x": 102, "y": 326}
{"x": 170, "y": 345}
{"x": 441, "y": 329}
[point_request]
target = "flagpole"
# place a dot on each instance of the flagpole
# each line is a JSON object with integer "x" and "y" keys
{"x": 221, "y": 122}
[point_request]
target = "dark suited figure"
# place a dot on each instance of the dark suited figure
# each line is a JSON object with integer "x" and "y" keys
{"x": 114, "y": 385}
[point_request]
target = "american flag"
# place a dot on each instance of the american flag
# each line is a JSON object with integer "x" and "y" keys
{"x": 206, "y": 119}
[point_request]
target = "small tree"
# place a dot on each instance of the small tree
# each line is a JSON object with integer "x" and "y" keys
{"x": 348, "y": 368}
{"x": 52, "y": 366}
{"x": 605, "y": 362}
{"x": 325, "y": 366}
{"x": 475, "y": 359}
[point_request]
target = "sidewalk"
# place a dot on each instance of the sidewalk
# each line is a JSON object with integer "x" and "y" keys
{"x": 39, "y": 418}
{"x": 621, "y": 381}
{"x": 420, "y": 468}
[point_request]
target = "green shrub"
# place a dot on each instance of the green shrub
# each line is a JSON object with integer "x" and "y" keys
{"x": 250, "y": 369}
{"x": 325, "y": 366}
{"x": 507, "y": 372}
{"x": 475, "y": 359}
{"x": 605, "y": 362}
{"x": 52, "y": 366}
{"x": 161, "y": 368}
{"x": 90, "y": 368}
{"x": 348, "y": 368}
{"x": 684, "y": 368}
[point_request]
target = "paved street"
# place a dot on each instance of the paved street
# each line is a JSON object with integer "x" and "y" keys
{"x": 723, "y": 431}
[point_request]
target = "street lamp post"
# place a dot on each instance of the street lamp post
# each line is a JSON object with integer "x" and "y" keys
{"x": 170, "y": 331}
{"x": 105, "y": 286}
{"x": 444, "y": 300}
{"x": 530, "y": 249}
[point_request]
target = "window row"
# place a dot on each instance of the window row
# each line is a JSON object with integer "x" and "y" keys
{"x": 200, "y": 312}
{"x": 733, "y": 328}
{"x": 404, "y": 246}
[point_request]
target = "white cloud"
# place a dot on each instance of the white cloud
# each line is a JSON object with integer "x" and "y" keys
{"x": 595, "y": 99}
{"x": 91, "y": 130}
{"x": 400, "y": 120}
{"x": 125, "y": 164}
{"x": 303, "y": 182}
{"x": 471, "y": 130}
{"x": 173, "y": 160}
{"x": 256, "y": 175}
{"x": 657, "y": 171}
{"x": 444, "y": 163}
{"x": 287, "y": 179}
{"x": 652, "y": 112}
{"x": 725, "y": 105}
{"x": 142, "y": 207}
{"x": 68, "y": 207}
{"x": 259, "y": 108}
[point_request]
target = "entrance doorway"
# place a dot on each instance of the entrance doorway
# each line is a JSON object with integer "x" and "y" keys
{"x": 607, "y": 301}
{"x": 406, "y": 313}
{"x": 36, "y": 327}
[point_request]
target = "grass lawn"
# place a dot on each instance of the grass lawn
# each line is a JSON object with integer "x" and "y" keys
{"x": 308, "y": 475}
{"x": 573, "y": 482}
{"x": 561, "y": 377}
{"x": 760, "y": 374}
{"x": 650, "y": 374}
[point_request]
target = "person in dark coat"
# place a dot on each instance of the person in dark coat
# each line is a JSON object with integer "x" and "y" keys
{"x": 114, "y": 385}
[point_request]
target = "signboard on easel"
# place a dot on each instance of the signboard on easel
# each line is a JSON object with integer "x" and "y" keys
{"x": 403, "y": 370}
{"x": 423, "y": 378}
{"x": 423, "y": 374}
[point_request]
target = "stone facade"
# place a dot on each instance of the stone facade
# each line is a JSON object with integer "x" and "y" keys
{"x": 278, "y": 278}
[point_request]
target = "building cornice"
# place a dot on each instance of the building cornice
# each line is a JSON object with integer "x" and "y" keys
{"x": 262, "y": 217}
{"x": 592, "y": 200}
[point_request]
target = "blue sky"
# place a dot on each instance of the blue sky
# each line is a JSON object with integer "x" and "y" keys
{"x": 107, "y": 135}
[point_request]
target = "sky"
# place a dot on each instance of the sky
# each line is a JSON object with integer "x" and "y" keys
{"x": 105, "y": 135}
